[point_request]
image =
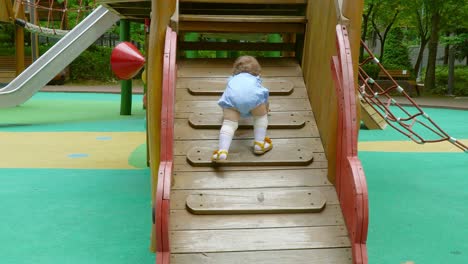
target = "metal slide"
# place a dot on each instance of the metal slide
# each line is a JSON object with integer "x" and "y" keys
{"x": 57, "y": 58}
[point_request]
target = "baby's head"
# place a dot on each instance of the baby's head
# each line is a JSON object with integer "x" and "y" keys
{"x": 246, "y": 64}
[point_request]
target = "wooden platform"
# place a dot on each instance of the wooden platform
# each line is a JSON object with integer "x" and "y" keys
{"x": 232, "y": 222}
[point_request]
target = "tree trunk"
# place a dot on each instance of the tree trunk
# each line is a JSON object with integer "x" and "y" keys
{"x": 422, "y": 47}
{"x": 363, "y": 37}
{"x": 451, "y": 72}
{"x": 447, "y": 51}
{"x": 365, "y": 23}
{"x": 429, "y": 83}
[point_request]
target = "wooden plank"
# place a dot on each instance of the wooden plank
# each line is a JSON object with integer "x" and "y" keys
{"x": 183, "y": 131}
{"x": 260, "y": 27}
{"x": 250, "y": 179}
{"x": 246, "y": 201}
{"x": 178, "y": 197}
{"x": 184, "y": 95}
{"x": 259, "y": 239}
{"x": 308, "y": 115}
{"x": 300, "y": 145}
{"x": 229, "y": 46}
{"x": 243, "y": 18}
{"x": 275, "y": 120}
{"x": 246, "y": 1}
{"x": 308, "y": 256}
{"x": 182, "y": 165}
{"x": 371, "y": 119}
{"x": 183, "y": 220}
{"x": 285, "y": 155}
{"x": 217, "y": 87}
{"x": 227, "y": 71}
{"x": 276, "y": 105}
{"x": 184, "y": 82}
{"x": 228, "y": 62}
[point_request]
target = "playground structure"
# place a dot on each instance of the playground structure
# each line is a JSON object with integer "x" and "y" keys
{"x": 305, "y": 201}
{"x": 243, "y": 210}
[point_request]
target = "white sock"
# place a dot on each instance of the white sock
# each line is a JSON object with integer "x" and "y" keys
{"x": 225, "y": 136}
{"x": 260, "y": 128}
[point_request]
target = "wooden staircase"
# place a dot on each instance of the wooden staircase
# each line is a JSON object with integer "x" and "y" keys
{"x": 240, "y": 18}
{"x": 276, "y": 208}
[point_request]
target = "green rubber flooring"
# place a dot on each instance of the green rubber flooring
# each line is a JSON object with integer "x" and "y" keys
{"x": 77, "y": 216}
{"x": 418, "y": 201}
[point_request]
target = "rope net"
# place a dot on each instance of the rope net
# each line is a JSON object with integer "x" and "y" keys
{"x": 411, "y": 121}
{"x": 54, "y": 17}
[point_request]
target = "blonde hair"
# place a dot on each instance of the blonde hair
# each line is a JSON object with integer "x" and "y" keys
{"x": 246, "y": 64}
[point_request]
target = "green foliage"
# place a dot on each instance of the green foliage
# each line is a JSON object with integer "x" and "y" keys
{"x": 459, "y": 42}
{"x": 460, "y": 84}
{"x": 396, "y": 53}
{"x": 92, "y": 64}
{"x": 7, "y": 35}
{"x": 372, "y": 70}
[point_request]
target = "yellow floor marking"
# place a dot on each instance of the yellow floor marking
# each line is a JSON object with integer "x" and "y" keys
{"x": 68, "y": 150}
{"x": 409, "y": 146}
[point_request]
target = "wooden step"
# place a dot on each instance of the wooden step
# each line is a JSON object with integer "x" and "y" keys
{"x": 184, "y": 220}
{"x": 256, "y": 202}
{"x": 182, "y": 147}
{"x": 276, "y": 105}
{"x": 241, "y": 154}
{"x": 185, "y": 95}
{"x": 179, "y": 197}
{"x": 217, "y": 87}
{"x": 275, "y": 120}
{"x": 309, "y": 256}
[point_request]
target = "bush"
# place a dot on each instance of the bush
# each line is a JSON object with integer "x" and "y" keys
{"x": 93, "y": 64}
{"x": 372, "y": 70}
{"x": 460, "y": 82}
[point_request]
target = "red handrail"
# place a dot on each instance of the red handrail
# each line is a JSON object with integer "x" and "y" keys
{"x": 162, "y": 204}
{"x": 351, "y": 184}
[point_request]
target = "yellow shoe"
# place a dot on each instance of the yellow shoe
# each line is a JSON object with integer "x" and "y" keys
{"x": 219, "y": 156}
{"x": 263, "y": 147}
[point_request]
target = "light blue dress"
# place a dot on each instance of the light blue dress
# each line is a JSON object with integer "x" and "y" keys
{"x": 244, "y": 92}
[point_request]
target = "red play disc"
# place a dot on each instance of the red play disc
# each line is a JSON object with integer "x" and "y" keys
{"x": 126, "y": 60}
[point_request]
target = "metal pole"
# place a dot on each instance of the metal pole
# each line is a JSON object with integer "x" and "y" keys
{"x": 125, "y": 85}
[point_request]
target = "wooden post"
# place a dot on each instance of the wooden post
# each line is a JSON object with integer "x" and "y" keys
{"x": 19, "y": 49}
{"x": 6, "y": 11}
{"x": 18, "y": 12}
{"x": 162, "y": 11}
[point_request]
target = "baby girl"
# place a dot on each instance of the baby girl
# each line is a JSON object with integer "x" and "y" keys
{"x": 244, "y": 96}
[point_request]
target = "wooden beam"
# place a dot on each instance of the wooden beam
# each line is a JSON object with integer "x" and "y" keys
{"x": 244, "y": 18}
{"x": 235, "y": 46}
{"x": 246, "y": 1}
{"x": 195, "y": 26}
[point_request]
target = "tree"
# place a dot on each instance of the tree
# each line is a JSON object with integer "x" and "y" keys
{"x": 368, "y": 9}
{"x": 419, "y": 13}
{"x": 444, "y": 14}
{"x": 383, "y": 18}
